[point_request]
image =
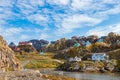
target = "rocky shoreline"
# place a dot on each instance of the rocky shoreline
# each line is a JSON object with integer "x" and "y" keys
{"x": 21, "y": 75}
{"x": 31, "y": 75}
{"x": 8, "y": 61}
{"x": 89, "y": 66}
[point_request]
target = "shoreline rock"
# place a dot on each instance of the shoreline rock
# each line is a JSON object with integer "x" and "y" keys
{"x": 31, "y": 75}
{"x": 8, "y": 61}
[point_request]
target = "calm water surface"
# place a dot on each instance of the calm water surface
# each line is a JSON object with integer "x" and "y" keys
{"x": 93, "y": 76}
{"x": 87, "y": 76}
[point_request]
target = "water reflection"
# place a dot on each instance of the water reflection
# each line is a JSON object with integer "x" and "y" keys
{"x": 86, "y": 76}
{"x": 93, "y": 76}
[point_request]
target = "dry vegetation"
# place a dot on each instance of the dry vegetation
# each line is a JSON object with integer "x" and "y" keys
{"x": 37, "y": 61}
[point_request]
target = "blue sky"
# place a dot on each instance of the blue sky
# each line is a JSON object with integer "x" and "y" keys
{"x": 22, "y": 20}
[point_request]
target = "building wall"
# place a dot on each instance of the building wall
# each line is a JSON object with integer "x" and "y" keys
{"x": 98, "y": 57}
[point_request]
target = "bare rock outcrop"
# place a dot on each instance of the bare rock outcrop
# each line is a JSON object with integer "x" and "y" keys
{"x": 7, "y": 58}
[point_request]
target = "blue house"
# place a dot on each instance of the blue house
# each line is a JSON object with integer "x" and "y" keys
{"x": 88, "y": 43}
{"x": 53, "y": 42}
{"x": 99, "y": 56}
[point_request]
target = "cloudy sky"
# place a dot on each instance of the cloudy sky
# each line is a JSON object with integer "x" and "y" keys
{"x": 22, "y": 20}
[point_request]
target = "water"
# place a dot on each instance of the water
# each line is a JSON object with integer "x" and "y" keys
{"x": 93, "y": 76}
{"x": 87, "y": 76}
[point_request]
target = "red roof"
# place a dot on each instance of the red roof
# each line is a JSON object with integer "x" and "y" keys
{"x": 24, "y": 43}
{"x": 74, "y": 37}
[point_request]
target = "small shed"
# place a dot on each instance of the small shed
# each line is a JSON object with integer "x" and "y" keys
{"x": 77, "y": 59}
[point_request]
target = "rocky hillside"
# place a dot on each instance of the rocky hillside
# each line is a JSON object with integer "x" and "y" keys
{"x": 7, "y": 58}
{"x": 38, "y": 44}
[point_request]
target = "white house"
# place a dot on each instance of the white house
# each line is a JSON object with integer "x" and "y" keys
{"x": 77, "y": 59}
{"x": 99, "y": 56}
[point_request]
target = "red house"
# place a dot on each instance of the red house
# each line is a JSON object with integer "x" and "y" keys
{"x": 25, "y": 43}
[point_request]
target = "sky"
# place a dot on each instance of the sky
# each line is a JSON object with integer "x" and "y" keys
{"x": 22, "y": 20}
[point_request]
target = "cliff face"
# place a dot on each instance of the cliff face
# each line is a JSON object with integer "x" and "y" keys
{"x": 7, "y": 58}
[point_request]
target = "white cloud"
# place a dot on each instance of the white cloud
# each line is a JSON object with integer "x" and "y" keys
{"x": 28, "y": 7}
{"x": 44, "y": 36}
{"x": 30, "y": 11}
{"x": 6, "y": 3}
{"x": 80, "y": 4}
{"x": 111, "y": 1}
{"x": 25, "y": 7}
{"x": 5, "y": 10}
{"x": 22, "y": 34}
{"x": 38, "y": 19}
{"x": 76, "y": 21}
{"x": 36, "y": 3}
{"x": 64, "y": 15}
{"x": 92, "y": 14}
{"x": 90, "y": 5}
{"x": 11, "y": 31}
{"x": 24, "y": 37}
{"x": 59, "y": 2}
{"x": 10, "y": 34}
{"x": 112, "y": 11}
{"x": 102, "y": 31}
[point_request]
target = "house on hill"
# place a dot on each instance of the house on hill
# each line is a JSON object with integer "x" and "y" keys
{"x": 96, "y": 56}
{"x": 25, "y": 43}
{"x": 14, "y": 47}
{"x": 53, "y": 42}
{"x": 74, "y": 37}
{"x": 76, "y": 45}
{"x": 75, "y": 59}
{"x": 26, "y": 47}
{"x": 99, "y": 56}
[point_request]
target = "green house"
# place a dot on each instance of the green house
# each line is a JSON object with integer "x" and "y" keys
{"x": 76, "y": 45}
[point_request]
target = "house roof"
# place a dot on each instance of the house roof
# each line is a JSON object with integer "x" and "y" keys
{"x": 24, "y": 43}
{"x": 99, "y": 54}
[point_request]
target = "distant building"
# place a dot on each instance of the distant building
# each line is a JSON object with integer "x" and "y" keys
{"x": 99, "y": 56}
{"x": 111, "y": 34}
{"x": 88, "y": 43}
{"x": 77, "y": 59}
{"x": 100, "y": 40}
{"x": 63, "y": 39}
{"x": 76, "y": 45}
{"x": 53, "y": 42}
{"x": 11, "y": 45}
{"x": 74, "y": 37}
{"x": 25, "y": 43}
{"x": 103, "y": 37}
{"x": 14, "y": 47}
{"x": 81, "y": 37}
